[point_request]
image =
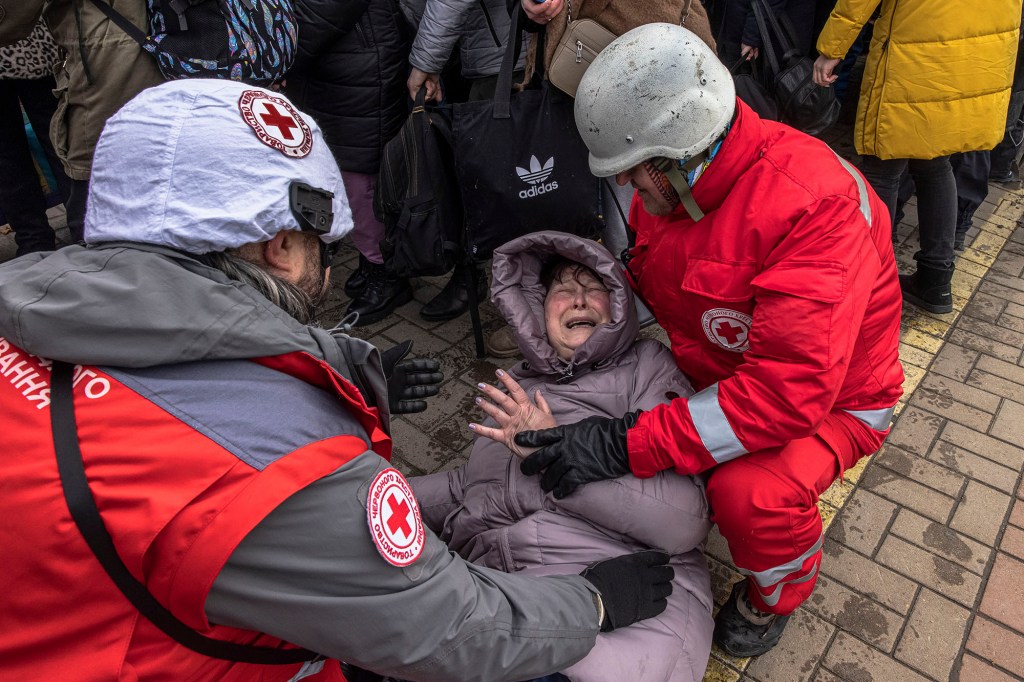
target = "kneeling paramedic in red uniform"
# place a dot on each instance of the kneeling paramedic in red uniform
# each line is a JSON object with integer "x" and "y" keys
{"x": 768, "y": 261}
{"x": 164, "y": 410}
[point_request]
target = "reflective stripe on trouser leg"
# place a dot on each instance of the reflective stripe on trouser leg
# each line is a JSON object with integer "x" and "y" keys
{"x": 797, "y": 578}
{"x": 765, "y": 505}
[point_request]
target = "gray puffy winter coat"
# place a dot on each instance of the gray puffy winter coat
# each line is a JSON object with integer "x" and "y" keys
{"x": 493, "y": 515}
{"x": 444, "y": 22}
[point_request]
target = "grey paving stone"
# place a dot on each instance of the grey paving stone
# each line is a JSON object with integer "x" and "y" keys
{"x": 996, "y": 385}
{"x": 852, "y": 659}
{"x": 985, "y": 345}
{"x": 991, "y": 331}
{"x": 1009, "y": 423}
{"x": 925, "y": 568}
{"x": 864, "y": 520}
{"x": 1001, "y": 291}
{"x": 954, "y": 361}
{"x": 921, "y": 470}
{"x": 794, "y": 658}
{"x": 916, "y": 429}
{"x": 958, "y": 392}
{"x": 1011, "y": 322}
{"x": 981, "y": 512}
{"x": 985, "y": 307}
{"x": 940, "y": 403}
{"x": 868, "y": 577}
{"x": 854, "y": 613}
{"x": 934, "y": 632}
{"x": 908, "y": 493}
{"x": 984, "y": 445}
{"x": 974, "y": 466}
{"x": 939, "y": 539}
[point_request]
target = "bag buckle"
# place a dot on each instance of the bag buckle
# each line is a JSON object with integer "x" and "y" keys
{"x": 579, "y": 51}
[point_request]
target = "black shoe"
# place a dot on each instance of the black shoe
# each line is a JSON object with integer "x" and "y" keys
{"x": 743, "y": 635}
{"x": 382, "y": 294}
{"x": 356, "y": 282}
{"x": 1007, "y": 177}
{"x": 929, "y": 288}
{"x": 454, "y": 298}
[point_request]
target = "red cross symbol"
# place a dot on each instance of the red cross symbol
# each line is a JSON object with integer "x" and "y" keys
{"x": 399, "y": 514}
{"x": 283, "y": 122}
{"x": 728, "y": 331}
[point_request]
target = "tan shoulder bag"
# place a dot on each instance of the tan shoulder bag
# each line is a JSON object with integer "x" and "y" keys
{"x": 580, "y": 44}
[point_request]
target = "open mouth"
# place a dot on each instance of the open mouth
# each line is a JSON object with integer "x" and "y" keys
{"x": 576, "y": 324}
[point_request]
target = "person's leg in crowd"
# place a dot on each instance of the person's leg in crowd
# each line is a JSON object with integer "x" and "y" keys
{"x": 75, "y": 205}
{"x": 929, "y": 286}
{"x": 378, "y": 290}
{"x": 884, "y": 177}
{"x": 970, "y": 172}
{"x": 39, "y": 103}
{"x": 21, "y": 196}
{"x": 765, "y": 506}
{"x": 1005, "y": 156}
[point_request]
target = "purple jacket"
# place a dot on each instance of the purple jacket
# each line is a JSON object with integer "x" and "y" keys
{"x": 493, "y": 515}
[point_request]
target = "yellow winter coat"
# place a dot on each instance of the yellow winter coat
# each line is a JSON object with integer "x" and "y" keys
{"x": 938, "y": 74}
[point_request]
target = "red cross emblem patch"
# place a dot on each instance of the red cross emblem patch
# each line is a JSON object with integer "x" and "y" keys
{"x": 394, "y": 517}
{"x": 727, "y": 328}
{"x": 276, "y": 123}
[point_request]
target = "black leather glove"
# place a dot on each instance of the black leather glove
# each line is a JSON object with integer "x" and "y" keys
{"x": 632, "y": 587}
{"x": 589, "y": 450}
{"x": 409, "y": 381}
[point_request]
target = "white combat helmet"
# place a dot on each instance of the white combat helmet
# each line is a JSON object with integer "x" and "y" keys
{"x": 655, "y": 91}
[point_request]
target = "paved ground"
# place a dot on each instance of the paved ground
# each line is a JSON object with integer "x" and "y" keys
{"x": 923, "y": 576}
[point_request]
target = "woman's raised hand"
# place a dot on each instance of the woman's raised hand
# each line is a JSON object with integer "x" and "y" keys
{"x": 514, "y": 412}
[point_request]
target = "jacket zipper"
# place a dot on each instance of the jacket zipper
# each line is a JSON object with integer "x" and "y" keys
{"x": 883, "y": 63}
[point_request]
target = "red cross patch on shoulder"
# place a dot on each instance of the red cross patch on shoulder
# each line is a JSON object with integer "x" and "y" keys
{"x": 727, "y": 328}
{"x": 394, "y": 518}
{"x": 276, "y": 123}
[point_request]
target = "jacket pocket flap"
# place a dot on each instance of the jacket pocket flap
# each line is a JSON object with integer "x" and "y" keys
{"x": 720, "y": 280}
{"x": 813, "y": 280}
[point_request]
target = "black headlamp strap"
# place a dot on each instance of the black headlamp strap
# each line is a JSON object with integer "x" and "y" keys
{"x": 87, "y": 517}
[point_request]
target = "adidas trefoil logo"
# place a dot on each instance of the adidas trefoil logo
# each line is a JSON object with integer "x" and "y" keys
{"x": 535, "y": 177}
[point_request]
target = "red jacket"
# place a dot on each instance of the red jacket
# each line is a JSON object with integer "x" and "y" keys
{"x": 782, "y": 304}
{"x": 178, "y": 489}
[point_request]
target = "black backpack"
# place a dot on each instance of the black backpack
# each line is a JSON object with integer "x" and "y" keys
{"x": 417, "y": 197}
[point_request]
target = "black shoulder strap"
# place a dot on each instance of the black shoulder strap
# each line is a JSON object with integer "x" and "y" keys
{"x": 87, "y": 517}
{"x": 133, "y": 31}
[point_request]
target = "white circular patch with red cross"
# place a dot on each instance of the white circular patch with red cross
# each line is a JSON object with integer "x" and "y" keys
{"x": 276, "y": 123}
{"x": 394, "y": 518}
{"x": 727, "y": 328}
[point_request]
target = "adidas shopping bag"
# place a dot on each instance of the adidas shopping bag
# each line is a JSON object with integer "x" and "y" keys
{"x": 521, "y": 164}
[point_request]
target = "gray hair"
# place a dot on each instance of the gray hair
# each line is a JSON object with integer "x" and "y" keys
{"x": 284, "y": 295}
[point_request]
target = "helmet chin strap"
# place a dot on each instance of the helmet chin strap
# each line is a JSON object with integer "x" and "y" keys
{"x": 676, "y": 177}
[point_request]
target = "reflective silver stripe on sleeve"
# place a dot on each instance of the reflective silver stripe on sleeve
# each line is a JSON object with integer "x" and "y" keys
{"x": 712, "y": 426}
{"x": 770, "y": 576}
{"x": 862, "y": 190}
{"x": 877, "y": 419}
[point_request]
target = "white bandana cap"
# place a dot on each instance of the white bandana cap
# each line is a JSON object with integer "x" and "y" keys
{"x": 205, "y": 165}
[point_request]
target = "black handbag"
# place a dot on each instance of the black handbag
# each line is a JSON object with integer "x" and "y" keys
{"x": 748, "y": 76}
{"x": 416, "y": 197}
{"x": 521, "y": 164}
{"x": 802, "y": 103}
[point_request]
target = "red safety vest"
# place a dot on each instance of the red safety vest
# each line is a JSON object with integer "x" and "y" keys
{"x": 176, "y": 504}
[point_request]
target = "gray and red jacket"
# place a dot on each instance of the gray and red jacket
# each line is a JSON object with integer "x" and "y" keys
{"x": 237, "y": 457}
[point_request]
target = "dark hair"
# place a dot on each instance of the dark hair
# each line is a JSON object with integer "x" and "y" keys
{"x": 555, "y": 268}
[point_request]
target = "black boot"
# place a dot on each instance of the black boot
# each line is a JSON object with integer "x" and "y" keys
{"x": 382, "y": 294}
{"x": 929, "y": 288}
{"x": 356, "y": 282}
{"x": 454, "y": 298}
{"x": 743, "y": 631}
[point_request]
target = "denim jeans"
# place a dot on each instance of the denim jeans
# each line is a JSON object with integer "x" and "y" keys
{"x": 936, "y": 201}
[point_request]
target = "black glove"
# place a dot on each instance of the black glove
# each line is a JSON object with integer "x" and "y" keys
{"x": 632, "y": 587}
{"x": 589, "y": 450}
{"x": 409, "y": 380}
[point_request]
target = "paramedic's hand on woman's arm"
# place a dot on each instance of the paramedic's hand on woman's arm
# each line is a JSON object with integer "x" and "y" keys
{"x": 514, "y": 412}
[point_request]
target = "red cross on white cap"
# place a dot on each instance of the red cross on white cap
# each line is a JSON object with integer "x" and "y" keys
{"x": 276, "y": 123}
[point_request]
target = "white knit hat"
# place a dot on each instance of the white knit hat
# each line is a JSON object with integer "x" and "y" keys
{"x": 205, "y": 165}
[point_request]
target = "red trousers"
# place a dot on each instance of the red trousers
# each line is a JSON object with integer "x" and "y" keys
{"x": 765, "y": 506}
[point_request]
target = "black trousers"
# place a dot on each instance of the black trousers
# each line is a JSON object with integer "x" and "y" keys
{"x": 21, "y": 196}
